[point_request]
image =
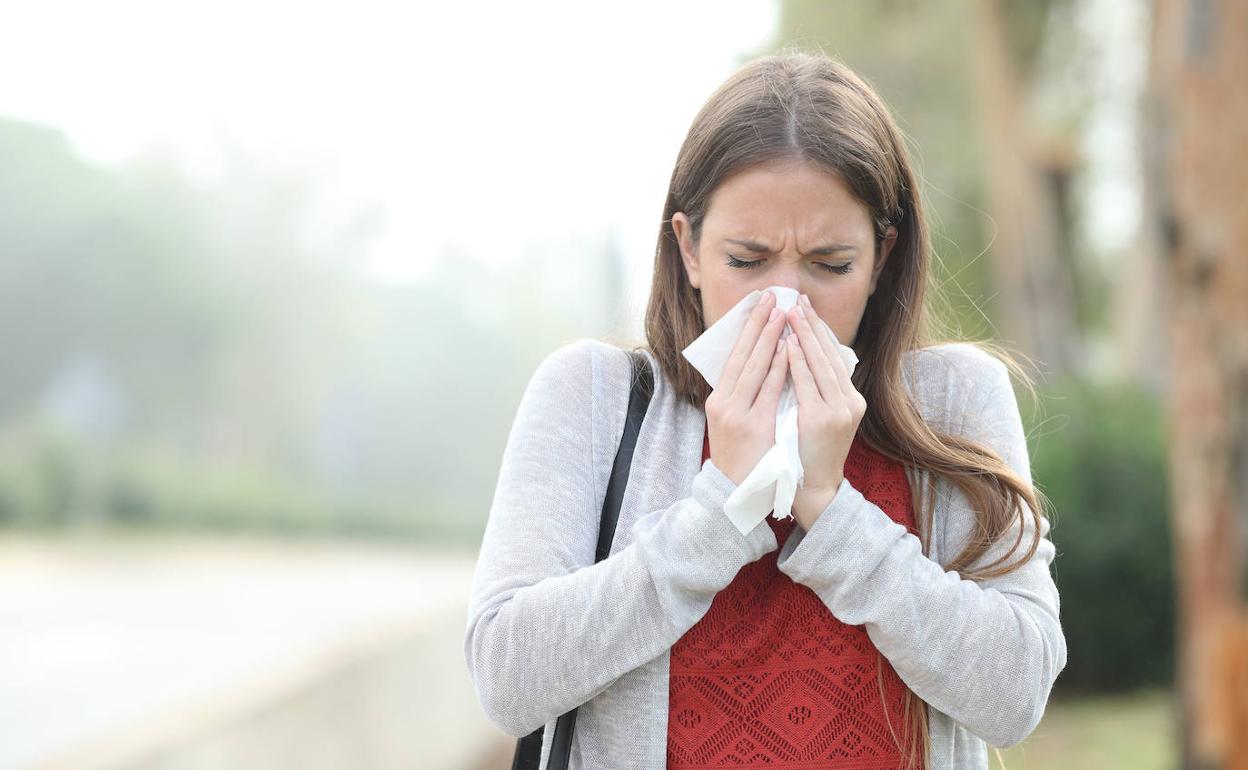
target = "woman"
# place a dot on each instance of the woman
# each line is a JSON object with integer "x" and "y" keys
{"x": 905, "y": 615}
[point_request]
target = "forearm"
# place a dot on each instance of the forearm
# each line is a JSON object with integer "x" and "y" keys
{"x": 540, "y": 642}
{"x": 985, "y": 654}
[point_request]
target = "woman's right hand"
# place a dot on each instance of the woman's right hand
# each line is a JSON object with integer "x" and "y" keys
{"x": 741, "y": 409}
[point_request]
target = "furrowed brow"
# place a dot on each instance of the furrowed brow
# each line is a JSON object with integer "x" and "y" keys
{"x": 822, "y": 250}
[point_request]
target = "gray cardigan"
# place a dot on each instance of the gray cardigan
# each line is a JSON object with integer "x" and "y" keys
{"x": 548, "y": 629}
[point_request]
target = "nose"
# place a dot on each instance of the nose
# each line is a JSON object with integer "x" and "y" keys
{"x": 790, "y": 277}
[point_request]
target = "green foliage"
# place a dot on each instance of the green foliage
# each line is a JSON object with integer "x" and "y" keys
{"x": 1099, "y": 455}
{"x": 213, "y": 355}
{"x": 51, "y": 481}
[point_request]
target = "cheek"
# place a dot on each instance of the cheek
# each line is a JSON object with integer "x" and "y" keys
{"x": 843, "y": 311}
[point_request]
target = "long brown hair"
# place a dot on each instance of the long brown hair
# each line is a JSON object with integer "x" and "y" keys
{"x": 807, "y": 106}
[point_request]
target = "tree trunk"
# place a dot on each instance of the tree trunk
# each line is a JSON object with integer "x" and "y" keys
{"x": 1034, "y": 293}
{"x": 1199, "y": 177}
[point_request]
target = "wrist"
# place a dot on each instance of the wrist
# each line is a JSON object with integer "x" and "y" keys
{"x": 810, "y": 502}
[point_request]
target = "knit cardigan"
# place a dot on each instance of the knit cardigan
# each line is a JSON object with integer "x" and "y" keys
{"x": 549, "y": 630}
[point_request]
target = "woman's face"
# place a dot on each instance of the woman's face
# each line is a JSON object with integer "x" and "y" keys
{"x": 796, "y": 226}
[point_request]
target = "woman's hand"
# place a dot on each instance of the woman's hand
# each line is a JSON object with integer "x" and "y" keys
{"x": 741, "y": 410}
{"x": 828, "y": 411}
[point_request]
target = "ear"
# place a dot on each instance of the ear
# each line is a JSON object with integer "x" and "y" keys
{"x": 886, "y": 246}
{"x": 683, "y": 229}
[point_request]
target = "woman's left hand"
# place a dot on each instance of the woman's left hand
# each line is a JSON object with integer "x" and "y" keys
{"x": 829, "y": 410}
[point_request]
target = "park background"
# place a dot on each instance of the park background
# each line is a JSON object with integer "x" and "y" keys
{"x": 273, "y": 278}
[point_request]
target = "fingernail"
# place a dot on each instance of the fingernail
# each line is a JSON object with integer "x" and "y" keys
{"x": 775, "y": 313}
{"x": 801, "y": 311}
{"x": 806, "y": 300}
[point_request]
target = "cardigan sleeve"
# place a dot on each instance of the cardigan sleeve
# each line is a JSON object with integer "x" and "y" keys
{"x": 548, "y": 628}
{"x": 986, "y": 653}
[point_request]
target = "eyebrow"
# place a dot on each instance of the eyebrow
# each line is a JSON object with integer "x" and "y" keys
{"x": 823, "y": 250}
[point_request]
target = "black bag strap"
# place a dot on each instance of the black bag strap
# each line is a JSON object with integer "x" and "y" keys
{"x": 529, "y": 748}
{"x": 638, "y": 402}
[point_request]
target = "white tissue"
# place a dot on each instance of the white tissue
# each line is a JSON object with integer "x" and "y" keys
{"x": 774, "y": 481}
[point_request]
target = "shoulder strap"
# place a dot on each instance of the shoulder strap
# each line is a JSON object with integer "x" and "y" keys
{"x": 529, "y": 748}
{"x": 638, "y": 402}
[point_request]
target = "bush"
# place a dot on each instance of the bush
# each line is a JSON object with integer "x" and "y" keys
{"x": 52, "y": 481}
{"x": 1099, "y": 455}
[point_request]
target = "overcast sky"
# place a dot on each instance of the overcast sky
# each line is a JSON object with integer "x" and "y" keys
{"x": 479, "y": 124}
{"x": 484, "y": 126}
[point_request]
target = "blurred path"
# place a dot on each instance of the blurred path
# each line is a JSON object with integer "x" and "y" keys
{"x": 114, "y": 652}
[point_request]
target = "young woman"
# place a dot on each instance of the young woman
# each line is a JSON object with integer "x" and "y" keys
{"x": 905, "y": 615}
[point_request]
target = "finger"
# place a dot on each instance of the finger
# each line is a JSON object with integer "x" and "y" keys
{"x": 816, "y": 360}
{"x": 745, "y": 344}
{"x": 769, "y": 396}
{"x": 832, "y": 347}
{"x": 759, "y": 363}
{"x": 803, "y": 379}
{"x": 821, "y": 332}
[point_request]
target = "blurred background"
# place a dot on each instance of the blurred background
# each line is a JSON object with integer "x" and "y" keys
{"x": 273, "y": 277}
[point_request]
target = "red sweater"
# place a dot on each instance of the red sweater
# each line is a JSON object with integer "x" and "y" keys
{"x": 770, "y": 678}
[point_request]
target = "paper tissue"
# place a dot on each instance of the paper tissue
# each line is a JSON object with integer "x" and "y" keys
{"x": 774, "y": 481}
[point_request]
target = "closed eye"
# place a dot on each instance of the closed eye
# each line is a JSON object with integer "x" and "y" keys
{"x": 750, "y": 264}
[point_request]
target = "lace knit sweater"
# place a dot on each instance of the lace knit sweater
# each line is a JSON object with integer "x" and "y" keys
{"x": 769, "y": 678}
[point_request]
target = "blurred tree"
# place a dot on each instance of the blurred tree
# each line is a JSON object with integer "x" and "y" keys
{"x": 211, "y": 352}
{"x": 1198, "y": 110}
{"x": 84, "y": 271}
{"x": 1032, "y": 270}
{"x": 196, "y": 318}
{"x": 953, "y": 70}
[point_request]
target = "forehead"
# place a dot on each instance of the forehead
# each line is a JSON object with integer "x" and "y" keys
{"x": 780, "y": 196}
